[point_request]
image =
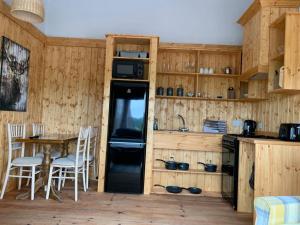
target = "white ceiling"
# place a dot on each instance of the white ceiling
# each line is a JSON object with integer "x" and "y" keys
{"x": 192, "y": 21}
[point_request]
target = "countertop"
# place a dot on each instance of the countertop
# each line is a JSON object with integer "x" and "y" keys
{"x": 186, "y": 133}
{"x": 267, "y": 141}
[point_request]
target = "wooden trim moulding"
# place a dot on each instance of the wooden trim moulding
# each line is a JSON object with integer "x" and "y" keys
{"x": 5, "y": 10}
{"x": 76, "y": 42}
{"x": 200, "y": 47}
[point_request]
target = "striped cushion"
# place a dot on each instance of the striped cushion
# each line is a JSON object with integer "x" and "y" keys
{"x": 277, "y": 210}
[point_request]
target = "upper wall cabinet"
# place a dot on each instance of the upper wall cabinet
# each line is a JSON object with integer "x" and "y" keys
{"x": 284, "y": 61}
{"x": 256, "y": 21}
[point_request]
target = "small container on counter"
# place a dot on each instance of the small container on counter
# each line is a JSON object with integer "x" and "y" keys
{"x": 180, "y": 91}
{"x": 231, "y": 93}
{"x": 160, "y": 91}
{"x": 170, "y": 91}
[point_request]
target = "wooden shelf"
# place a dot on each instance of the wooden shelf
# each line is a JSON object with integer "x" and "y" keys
{"x": 133, "y": 80}
{"x": 248, "y": 75}
{"x": 284, "y": 91}
{"x": 186, "y": 171}
{"x": 132, "y": 58}
{"x": 279, "y": 57}
{"x": 215, "y": 75}
{"x": 162, "y": 191}
{"x": 210, "y": 99}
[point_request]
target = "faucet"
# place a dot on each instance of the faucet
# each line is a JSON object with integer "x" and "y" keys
{"x": 183, "y": 128}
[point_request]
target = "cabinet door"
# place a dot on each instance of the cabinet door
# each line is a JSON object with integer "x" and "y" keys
{"x": 292, "y": 52}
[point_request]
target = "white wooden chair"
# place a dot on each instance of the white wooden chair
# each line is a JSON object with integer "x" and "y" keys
{"x": 39, "y": 129}
{"x": 90, "y": 154}
{"x": 33, "y": 163}
{"x": 71, "y": 167}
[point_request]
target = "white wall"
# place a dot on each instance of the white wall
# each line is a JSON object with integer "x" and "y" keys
{"x": 191, "y": 21}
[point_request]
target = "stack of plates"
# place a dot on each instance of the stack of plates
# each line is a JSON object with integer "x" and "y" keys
{"x": 215, "y": 126}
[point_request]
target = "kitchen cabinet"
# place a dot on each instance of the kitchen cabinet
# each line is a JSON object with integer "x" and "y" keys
{"x": 255, "y": 22}
{"x": 284, "y": 64}
{"x": 114, "y": 43}
{"x": 277, "y": 170}
{"x": 190, "y": 148}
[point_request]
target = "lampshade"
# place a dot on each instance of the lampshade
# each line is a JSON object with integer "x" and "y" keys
{"x": 28, "y": 10}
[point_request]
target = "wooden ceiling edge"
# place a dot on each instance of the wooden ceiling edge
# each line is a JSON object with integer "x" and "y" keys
{"x": 75, "y": 42}
{"x": 258, "y": 4}
{"x": 199, "y": 47}
{"x": 248, "y": 14}
{"x": 35, "y": 32}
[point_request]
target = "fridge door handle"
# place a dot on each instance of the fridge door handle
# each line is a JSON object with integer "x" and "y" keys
{"x": 115, "y": 144}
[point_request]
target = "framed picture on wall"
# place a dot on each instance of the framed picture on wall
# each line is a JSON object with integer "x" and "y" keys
{"x": 14, "y": 69}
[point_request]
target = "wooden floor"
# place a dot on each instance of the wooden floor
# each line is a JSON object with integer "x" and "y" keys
{"x": 119, "y": 209}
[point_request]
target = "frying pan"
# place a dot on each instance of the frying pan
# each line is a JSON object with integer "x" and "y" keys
{"x": 194, "y": 190}
{"x": 209, "y": 167}
{"x": 169, "y": 165}
{"x": 171, "y": 189}
{"x": 183, "y": 166}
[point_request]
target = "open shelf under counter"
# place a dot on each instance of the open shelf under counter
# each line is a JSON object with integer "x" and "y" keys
{"x": 215, "y": 75}
{"x": 210, "y": 99}
{"x": 162, "y": 191}
{"x": 191, "y": 171}
{"x": 132, "y": 58}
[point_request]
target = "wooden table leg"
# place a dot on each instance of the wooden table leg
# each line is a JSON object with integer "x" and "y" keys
{"x": 45, "y": 174}
{"x": 65, "y": 149}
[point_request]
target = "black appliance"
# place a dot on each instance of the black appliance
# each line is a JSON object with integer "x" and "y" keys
{"x": 125, "y": 163}
{"x": 230, "y": 163}
{"x": 249, "y": 128}
{"x": 289, "y": 132}
{"x": 230, "y": 166}
{"x": 130, "y": 69}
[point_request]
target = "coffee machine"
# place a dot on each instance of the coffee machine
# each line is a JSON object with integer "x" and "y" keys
{"x": 249, "y": 128}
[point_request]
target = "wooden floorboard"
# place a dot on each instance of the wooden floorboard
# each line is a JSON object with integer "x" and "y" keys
{"x": 119, "y": 209}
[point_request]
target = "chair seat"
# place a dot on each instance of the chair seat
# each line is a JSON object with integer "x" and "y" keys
{"x": 277, "y": 210}
{"x": 54, "y": 155}
{"x": 27, "y": 161}
{"x": 73, "y": 157}
{"x": 65, "y": 162}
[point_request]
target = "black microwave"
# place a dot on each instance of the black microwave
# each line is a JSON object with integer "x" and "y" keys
{"x": 130, "y": 69}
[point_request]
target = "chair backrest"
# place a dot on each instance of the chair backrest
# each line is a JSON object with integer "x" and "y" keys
{"x": 15, "y": 131}
{"x": 92, "y": 142}
{"x": 81, "y": 146}
{"x": 38, "y": 129}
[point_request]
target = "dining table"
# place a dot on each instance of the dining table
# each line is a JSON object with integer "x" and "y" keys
{"x": 50, "y": 143}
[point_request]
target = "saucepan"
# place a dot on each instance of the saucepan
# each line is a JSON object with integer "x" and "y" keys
{"x": 183, "y": 166}
{"x": 208, "y": 167}
{"x": 169, "y": 165}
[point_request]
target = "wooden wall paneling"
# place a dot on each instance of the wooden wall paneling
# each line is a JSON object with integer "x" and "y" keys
{"x": 22, "y": 34}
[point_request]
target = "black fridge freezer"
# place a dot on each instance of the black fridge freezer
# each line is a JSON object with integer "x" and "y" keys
{"x": 127, "y": 134}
